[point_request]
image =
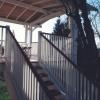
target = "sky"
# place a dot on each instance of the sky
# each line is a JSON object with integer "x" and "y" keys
{"x": 96, "y": 19}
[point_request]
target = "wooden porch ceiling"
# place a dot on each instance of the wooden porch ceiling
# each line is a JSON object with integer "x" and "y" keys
{"x": 33, "y": 12}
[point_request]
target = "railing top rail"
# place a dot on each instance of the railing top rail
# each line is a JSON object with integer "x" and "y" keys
{"x": 3, "y": 26}
{"x": 25, "y": 42}
{"x": 34, "y": 70}
{"x": 65, "y": 56}
{"x": 2, "y": 40}
{"x": 62, "y": 35}
{"x": 59, "y": 50}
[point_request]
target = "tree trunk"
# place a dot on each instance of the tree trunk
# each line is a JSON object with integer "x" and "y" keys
{"x": 92, "y": 52}
{"x": 87, "y": 54}
{"x": 87, "y": 50}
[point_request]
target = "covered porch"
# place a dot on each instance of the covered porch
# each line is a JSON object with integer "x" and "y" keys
{"x": 47, "y": 69}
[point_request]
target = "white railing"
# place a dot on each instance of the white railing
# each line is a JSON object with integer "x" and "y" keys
{"x": 31, "y": 51}
{"x": 28, "y": 80}
{"x": 65, "y": 74}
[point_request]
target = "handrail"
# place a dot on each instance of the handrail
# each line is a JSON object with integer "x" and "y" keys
{"x": 60, "y": 66}
{"x": 65, "y": 56}
{"x": 63, "y": 35}
{"x": 31, "y": 68}
{"x": 59, "y": 50}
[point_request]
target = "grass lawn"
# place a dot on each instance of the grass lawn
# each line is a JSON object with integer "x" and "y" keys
{"x": 3, "y": 92}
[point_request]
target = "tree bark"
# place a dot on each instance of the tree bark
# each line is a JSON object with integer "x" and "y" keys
{"x": 92, "y": 48}
{"x": 87, "y": 50}
{"x": 87, "y": 54}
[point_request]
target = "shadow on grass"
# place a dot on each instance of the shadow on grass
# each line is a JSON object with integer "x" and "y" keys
{"x": 4, "y": 95}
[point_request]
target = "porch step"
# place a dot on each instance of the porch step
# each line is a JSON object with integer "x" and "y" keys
{"x": 45, "y": 77}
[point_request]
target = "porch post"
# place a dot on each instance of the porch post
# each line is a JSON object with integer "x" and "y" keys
{"x": 26, "y": 30}
{"x": 28, "y": 35}
{"x": 2, "y": 37}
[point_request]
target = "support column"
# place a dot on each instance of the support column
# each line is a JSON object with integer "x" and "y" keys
{"x": 26, "y": 30}
{"x": 28, "y": 35}
{"x": 30, "y": 32}
{"x": 2, "y": 37}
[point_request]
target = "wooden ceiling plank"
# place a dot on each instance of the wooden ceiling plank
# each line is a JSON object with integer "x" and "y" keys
{"x": 41, "y": 20}
{"x": 21, "y": 14}
{"x": 27, "y": 6}
{"x": 52, "y": 5}
{"x": 30, "y": 17}
{"x": 13, "y": 21}
{"x": 11, "y": 11}
{"x": 21, "y": 0}
{"x": 2, "y": 3}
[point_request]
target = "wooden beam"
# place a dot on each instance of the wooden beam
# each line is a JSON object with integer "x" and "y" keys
{"x": 27, "y": 6}
{"x": 39, "y": 2}
{"x": 43, "y": 19}
{"x": 2, "y": 3}
{"x": 52, "y": 5}
{"x": 13, "y": 21}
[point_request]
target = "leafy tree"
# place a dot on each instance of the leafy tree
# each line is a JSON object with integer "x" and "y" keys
{"x": 61, "y": 28}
